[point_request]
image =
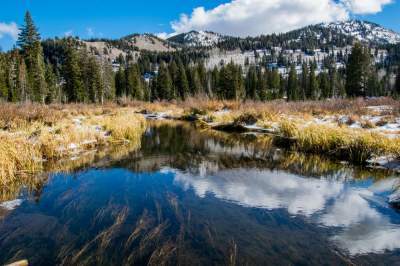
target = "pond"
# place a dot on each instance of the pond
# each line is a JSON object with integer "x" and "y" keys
{"x": 195, "y": 197}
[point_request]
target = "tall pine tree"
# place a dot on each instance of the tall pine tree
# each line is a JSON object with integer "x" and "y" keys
{"x": 357, "y": 71}
{"x": 397, "y": 84}
{"x": 31, "y": 48}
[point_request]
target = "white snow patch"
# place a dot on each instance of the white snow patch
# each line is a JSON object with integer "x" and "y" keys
{"x": 11, "y": 205}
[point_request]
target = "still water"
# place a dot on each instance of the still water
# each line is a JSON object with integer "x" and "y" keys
{"x": 194, "y": 197}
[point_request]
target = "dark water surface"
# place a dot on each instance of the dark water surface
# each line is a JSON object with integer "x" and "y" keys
{"x": 205, "y": 198}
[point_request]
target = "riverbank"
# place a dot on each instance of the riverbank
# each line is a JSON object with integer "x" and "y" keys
{"x": 365, "y": 132}
{"x": 362, "y": 131}
{"x": 33, "y": 136}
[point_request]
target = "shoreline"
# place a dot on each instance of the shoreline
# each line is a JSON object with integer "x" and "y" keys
{"x": 35, "y": 134}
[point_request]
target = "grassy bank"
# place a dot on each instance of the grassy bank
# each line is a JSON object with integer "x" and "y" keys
{"x": 357, "y": 146}
{"x": 355, "y": 130}
{"x": 33, "y": 135}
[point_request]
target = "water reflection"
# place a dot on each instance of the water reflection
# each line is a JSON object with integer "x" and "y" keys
{"x": 331, "y": 202}
{"x": 195, "y": 197}
{"x": 264, "y": 189}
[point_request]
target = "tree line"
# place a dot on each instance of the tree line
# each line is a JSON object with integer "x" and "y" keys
{"x": 63, "y": 71}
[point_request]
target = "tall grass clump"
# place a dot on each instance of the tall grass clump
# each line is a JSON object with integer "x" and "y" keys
{"x": 124, "y": 126}
{"x": 17, "y": 156}
{"x": 353, "y": 145}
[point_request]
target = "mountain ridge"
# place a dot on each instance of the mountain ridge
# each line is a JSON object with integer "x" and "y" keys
{"x": 360, "y": 30}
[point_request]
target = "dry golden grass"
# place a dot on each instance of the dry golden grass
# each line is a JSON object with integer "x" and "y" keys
{"x": 34, "y": 134}
{"x": 124, "y": 126}
{"x": 17, "y": 155}
{"x": 355, "y": 145}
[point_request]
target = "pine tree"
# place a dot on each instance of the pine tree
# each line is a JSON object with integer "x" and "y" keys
{"x": 195, "y": 83}
{"x": 21, "y": 89}
{"x": 251, "y": 83}
{"x": 173, "y": 71}
{"x": 94, "y": 85}
{"x": 292, "y": 87}
{"x": 108, "y": 81}
{"x": 74, "y": 87}
{"x": 357, "y": 71}
{"x": 373, "y": 85}
{"x": 182, "y": 83}
{"x": 304, "y": 81}
{"x": 215, "y": 81}
{"x": 134, "y": 82}
{"x": 333, "y": 82}
{"x": 120, "y": 83}
{"x": 31, "y": 48}
{"x": 275, "y": 84}
{"x": 164, "y": 89}
{"x": 324, "y": 85}
{"x": 51, "y": 84}
{"x": 4, "y": 88}
{"x": 262, "y": 85}
{"x": 397, "y": 84}
{"x": 313, "y": 89}
{"x": 28, "y": 36}
{"x": 202, "y": 72}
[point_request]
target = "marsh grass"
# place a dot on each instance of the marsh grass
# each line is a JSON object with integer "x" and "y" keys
{"x": 33, "y": 134}
{"x": 17, "y": 155}
{"x": 356, "y": 146}
{"x": 124, "y": 126}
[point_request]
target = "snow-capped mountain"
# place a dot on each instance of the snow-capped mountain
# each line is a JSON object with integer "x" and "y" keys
{"x": 335, "y": 33}
{"x": 197, "y": 39}
{"x": 364, "y": 31}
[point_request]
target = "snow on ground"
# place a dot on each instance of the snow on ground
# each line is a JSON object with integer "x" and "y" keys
{"x": 158, "y": 115}
{"x": 11, "y": 205}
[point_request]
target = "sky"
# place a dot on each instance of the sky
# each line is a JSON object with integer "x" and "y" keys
{"x": 117, "y": 18}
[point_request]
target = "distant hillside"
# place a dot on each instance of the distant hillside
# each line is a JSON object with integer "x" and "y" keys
{"x": 149, "y": 42}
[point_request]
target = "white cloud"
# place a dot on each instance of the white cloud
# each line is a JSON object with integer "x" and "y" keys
{"x": 164, "y": 35}
{"x": 366, "y": 6}
{"x": 255, "y": 17}
{"x": 10, "y": 29}
{"x": 68, "y": 33}
{"x": 90, "y": 32}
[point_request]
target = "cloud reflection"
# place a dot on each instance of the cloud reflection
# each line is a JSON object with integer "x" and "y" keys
{"x": 354, "y": 212}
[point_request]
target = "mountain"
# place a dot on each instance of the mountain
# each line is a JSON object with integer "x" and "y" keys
{"x": 364, "y": 31}
{"x": 131, "y": 43}
{"x": 148, "y": 42}
{"x": 321, "y": 35}
{"x": 197, "y": 39}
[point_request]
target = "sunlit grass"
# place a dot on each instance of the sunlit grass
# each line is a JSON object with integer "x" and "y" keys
{"x": 25, "y": 145}
{"x": 357, "y": 146}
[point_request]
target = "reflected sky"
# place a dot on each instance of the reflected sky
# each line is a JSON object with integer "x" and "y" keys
{"x": 360, "y": 210}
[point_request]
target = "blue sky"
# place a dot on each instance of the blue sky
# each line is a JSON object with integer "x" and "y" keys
{"x": 113, "y": 19}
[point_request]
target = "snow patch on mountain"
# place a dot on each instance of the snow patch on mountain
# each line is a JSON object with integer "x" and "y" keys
{"x": 364, "y": 31}
{"x": 198, "y": 39}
